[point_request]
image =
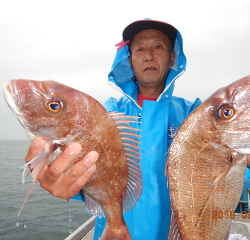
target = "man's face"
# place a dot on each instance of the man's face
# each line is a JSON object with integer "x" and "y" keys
{"x": 151, "y": 58}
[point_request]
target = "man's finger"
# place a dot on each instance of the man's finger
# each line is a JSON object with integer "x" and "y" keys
{"x": 78, "y": 174}
{"x": 80, "y": 168}
{"x": 81, "y": 181}
{"x": 68, "y": 156}
{"x": 36, "y": 146}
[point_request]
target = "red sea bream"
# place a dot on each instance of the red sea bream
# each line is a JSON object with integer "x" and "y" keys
{"x": 62, "y": 115}
{"x": 206, "y": 164}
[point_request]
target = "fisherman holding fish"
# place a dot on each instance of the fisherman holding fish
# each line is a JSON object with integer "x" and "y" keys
{"x": 148, "y": 61}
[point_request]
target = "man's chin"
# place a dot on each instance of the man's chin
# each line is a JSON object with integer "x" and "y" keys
{"x": 151, "y": 82}
{"x": 151, "y": 78}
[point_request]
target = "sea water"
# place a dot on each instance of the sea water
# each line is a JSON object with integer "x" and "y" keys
{"x": 43, "y": 216}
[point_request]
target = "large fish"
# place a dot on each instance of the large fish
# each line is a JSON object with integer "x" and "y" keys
{"x": 206, "y": 164}
{"x": 62, "y": 115}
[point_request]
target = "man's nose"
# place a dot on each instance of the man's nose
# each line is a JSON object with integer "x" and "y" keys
{"x": 149, "y": 56}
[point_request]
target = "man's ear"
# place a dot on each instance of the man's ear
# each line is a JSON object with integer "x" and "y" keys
{"x": 130, "y": 61}
{"x": 172, "y": 58}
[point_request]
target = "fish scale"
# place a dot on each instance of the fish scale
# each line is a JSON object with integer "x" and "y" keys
{"x": 206, "y": 164}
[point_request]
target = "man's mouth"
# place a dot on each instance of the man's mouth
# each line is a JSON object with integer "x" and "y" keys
{"x": 150, "y": 69}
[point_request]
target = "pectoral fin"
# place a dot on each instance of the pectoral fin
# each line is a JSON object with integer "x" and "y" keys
{"x": 35, "y": 166}
{"x": 216, "y": 183}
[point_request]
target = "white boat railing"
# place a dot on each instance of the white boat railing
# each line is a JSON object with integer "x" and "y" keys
{"x": 82, "y": 231}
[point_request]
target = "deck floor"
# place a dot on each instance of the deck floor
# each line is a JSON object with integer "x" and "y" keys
{"x": 89, "y": 235}
{"x": 241, "y": 226}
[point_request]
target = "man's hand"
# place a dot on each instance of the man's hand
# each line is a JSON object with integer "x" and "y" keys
{"x": 53, "y": 178}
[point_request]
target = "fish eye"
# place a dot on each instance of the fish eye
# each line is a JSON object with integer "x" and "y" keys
{"x": 226, "y": 111}
{"x": 54, "y": 105}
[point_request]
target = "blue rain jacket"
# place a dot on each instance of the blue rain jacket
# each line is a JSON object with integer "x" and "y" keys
{"x": 150, "y": 218}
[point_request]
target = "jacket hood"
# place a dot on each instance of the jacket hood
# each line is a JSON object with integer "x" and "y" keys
{"x": 120, "y": 76}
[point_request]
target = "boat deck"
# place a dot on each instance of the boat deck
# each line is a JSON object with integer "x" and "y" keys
{"x": 86, "y": 231}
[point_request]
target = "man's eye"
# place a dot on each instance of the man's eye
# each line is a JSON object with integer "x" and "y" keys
{"x": 140, "y": 49}
{"x": 158, "y": 47}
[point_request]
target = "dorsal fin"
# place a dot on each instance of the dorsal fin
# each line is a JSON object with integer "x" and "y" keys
{"x": 129, "y": 136}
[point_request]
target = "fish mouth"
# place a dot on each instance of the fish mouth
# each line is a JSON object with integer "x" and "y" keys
{"x": 9, "y": 98}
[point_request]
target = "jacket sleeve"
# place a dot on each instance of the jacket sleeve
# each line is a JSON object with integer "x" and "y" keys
{"x": 110, "y": 104}
{"x": 195, "y": 104}
{"x": 79, "y": 196}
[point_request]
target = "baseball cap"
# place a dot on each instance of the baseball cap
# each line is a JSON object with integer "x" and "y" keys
{"x": 132, "y": 29}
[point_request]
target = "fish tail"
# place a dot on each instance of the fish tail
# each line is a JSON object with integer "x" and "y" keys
{"x": 116, "y": 234}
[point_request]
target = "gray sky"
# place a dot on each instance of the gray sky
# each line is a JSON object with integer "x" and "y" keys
{"x": 73, "y": 42}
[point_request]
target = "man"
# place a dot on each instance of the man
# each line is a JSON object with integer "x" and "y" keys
{"x": 145, "y": 71}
